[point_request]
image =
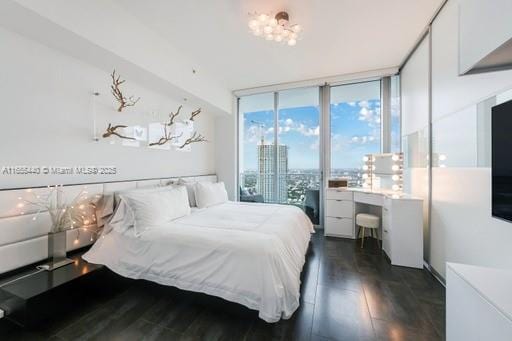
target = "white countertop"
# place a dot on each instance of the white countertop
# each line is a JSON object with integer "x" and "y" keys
{"x": 495, "y": 285}
{"x": 385, "y": 192}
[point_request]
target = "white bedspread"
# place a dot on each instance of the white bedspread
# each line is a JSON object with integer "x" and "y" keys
{"x": 247, "y": 253}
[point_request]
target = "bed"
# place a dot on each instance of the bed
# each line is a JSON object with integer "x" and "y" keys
{"x": 248, "y": 253}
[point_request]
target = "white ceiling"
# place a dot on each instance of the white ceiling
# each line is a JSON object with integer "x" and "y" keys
{"x": 339, "y": 37}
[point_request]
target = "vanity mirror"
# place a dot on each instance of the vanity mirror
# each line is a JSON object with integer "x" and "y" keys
{"x": 383, "y": 171}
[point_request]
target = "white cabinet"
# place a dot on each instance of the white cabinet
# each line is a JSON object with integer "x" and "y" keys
{"x": 478, "y": 303}
{"x": 402, "y": 231}
{"x": 339, "y": 227}
{"x": 339, "y": 214}
{"x": 339, "y": 208}
{"x": 402, "y": 221}
{"x": 485, "y": 35}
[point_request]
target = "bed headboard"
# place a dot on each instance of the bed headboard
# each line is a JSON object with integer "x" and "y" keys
{"x": 24, "y": 240}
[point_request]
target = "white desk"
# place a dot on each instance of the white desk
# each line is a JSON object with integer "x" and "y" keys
{"x": 401, "y": 223}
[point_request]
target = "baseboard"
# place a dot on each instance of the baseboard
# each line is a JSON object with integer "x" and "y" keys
{"x": 434, "y": 273}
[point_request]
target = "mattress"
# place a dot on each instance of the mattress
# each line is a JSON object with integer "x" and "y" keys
{"x": 248, "y": 253}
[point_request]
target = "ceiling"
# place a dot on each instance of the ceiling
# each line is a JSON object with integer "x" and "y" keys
{"x": 339, "y": 37}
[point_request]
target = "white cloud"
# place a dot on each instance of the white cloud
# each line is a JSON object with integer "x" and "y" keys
{"x": 352, "y": 104}
{"x": 370, "y": 116}
{"x": 362, "y": 139}
{"x": 307, "y": 131}
{"x": 364, "y": 104}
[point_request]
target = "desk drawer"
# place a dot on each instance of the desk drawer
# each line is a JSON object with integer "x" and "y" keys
{"x": 341, "y": 227}
{"x": 339, "y": 208}
{"x": 369, "y": 198}
{"x": 332, "y": 194}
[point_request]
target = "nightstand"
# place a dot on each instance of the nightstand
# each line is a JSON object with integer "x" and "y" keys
{"x": 31, "y": 296}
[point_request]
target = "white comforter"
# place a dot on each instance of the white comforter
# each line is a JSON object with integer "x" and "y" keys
{"x": 247, "y": 253}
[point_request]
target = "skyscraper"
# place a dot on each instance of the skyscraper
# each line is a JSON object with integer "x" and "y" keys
{"x": 266, "y": 168}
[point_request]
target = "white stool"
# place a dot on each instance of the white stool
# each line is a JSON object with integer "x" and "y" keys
{"x": 370, "y": 221}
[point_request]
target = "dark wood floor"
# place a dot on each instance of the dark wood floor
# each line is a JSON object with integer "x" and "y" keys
{"x": 347, "y": 294}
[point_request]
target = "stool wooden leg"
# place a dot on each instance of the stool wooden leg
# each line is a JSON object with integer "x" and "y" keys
{"x": 362, "y": 238}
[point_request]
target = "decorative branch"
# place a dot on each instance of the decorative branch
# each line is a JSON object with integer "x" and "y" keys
{"x": 116, "y": 91}
{"x": 111, "y": 130}
{"x": 172, "y": 116}
{"x": 194, "y": 114}
{"x": 164, "y": 139}
{"x": 193, "y": 139}
{"x": 167, "y": 135}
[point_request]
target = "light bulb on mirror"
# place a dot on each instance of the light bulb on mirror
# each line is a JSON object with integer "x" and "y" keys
{"x": 365, "y": 167}
{"x": 395, "y": 187}
{"x": 395, "y": 177}
{"x": 365, "y": 158}
{"x": 395, "y": 157}
{"x": 395, "y": 167}
{"x": 365, "y": 176}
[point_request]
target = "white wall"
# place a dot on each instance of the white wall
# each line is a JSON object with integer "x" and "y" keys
{"x": 226, "y": 149}
{"x": 98, "y": 31}
{"x": 415, "y": 117}
{"x": 462, "y": 229}
{"x": 46, "y": 119}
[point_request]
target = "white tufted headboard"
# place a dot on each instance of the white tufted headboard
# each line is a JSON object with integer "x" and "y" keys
{"x": 24, "y": 241}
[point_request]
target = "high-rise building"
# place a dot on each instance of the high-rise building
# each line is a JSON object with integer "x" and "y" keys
{"x": 266, "y": 168}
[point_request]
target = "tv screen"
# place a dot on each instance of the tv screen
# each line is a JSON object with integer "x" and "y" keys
{"x": 502, "y": 161}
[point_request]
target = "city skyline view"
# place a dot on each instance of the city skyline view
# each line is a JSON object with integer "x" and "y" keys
{"x": 355, "y": 131}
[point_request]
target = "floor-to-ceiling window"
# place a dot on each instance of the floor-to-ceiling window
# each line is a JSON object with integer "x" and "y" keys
{"x": 355, "y": 126}
{"x": 299, "y": 141}
{"x": 280, "y": 144}
{"x": 279, "y": 148}
{"x": 395, "y": 113}
{"x": 256, "y": 162}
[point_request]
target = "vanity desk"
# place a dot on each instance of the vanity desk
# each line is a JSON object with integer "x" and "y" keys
{"x": 401, "y": 220}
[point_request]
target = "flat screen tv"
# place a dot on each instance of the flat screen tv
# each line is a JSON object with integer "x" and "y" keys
{"x": 502, "y": 161}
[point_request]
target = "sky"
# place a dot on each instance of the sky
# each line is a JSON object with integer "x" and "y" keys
{"x": 355, "y": 131}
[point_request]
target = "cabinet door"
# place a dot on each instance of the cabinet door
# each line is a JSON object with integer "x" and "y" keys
{"x": 339, "y": 208}
{"x": 339, "y": 227}
{"x": 332, "y": 194}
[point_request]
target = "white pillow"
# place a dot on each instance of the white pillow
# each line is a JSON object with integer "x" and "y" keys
{"x": 190, "y": 185}
{"x": 208, "y": 194}
{"x": 156, "y": 208}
